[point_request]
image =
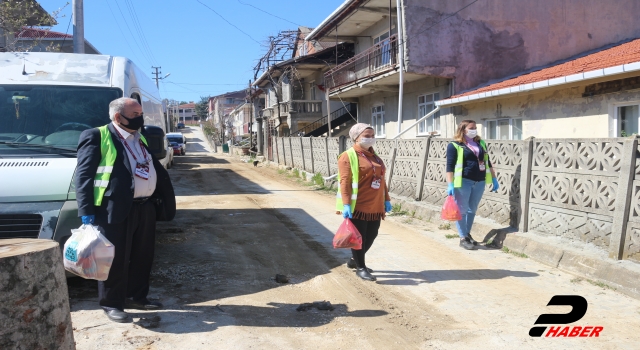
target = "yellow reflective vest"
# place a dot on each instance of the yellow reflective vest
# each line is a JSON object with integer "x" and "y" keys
{"x": 457, "y": 174}
{"x": 108, "y": 150}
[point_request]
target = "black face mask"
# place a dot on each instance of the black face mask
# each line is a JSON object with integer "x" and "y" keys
{"x": 134, "y": 123}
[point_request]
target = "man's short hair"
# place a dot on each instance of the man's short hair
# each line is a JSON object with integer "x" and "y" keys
{"x": 118, "y": 105}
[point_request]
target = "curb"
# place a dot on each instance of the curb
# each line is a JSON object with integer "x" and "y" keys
{"x": 623, "y": 275}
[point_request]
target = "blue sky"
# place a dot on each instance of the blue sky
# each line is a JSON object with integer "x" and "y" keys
{"x": 189, "y": 40}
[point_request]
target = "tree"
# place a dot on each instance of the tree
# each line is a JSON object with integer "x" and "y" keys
{"x": 19, "y": 15}
{"x": 202, "y": 107}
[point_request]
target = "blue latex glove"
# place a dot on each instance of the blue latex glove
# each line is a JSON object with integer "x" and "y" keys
{"x": 88, "y": 219}
{"x": 346, "y": 212}
{"x": 496, "y": 185}
{"x": 450, "y": 189}
{"x": 387, "y": 206}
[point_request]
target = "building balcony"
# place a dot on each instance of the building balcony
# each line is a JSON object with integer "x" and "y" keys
{"x": 301, "y": 108}
{"x": 379, "y": 59}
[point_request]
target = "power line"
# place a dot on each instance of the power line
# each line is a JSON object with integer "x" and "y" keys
{"x": 121, "y": 32}
{"x": 136, "y": 22}
{"x": 208, "y": 84}
{"x": 231, "y": 24}
{"x": 149, "y": 60}
{"x": 270, "y": 14}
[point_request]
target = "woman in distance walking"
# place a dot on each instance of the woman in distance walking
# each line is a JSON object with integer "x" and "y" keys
{"x": 363, "y": 196}
{"x": 468, "y": 170}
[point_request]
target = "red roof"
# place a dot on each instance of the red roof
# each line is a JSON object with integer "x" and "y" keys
{"x": 618, "y": 55}
{"x": 35, "y": 33}
{"x": 187, "y": 105}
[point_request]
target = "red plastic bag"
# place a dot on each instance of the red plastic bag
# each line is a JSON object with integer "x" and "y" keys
{"x": 347, "y": 236}
{"x": 450, "y": 210}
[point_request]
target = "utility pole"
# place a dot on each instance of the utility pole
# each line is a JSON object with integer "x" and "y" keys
{"x": 78, "y": 26}
{"x": 157, "y": 74}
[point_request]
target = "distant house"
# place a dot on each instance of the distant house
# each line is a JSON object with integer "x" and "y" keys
{"x": 446, "y": 49}
{"x": 594, "y": 95}
{"x": 221, "y": 106}
{"x": 186, "y": 113}
{"x": 39, "y": 40}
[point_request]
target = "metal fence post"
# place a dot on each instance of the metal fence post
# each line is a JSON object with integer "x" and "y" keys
{"x": 525, "y": 182}
{"x": 623, "y": 198}
{"x": 424, "y": 155}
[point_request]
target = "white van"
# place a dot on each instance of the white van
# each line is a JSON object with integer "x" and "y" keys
{"x": 46, "y": 101}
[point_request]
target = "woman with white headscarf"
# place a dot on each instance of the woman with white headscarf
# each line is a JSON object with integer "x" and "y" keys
{"x": 363, "y": 196}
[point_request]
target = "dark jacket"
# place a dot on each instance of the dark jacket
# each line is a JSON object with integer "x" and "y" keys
{"x": 118, "y": 196}
{"x": 470, "y": 165}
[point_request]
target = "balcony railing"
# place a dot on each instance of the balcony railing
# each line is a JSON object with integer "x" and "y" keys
{"x": 380, "y": 58}
{"x": 300, "y": 107}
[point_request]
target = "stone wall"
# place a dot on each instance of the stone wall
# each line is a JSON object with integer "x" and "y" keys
{"x": 585, "y": 190}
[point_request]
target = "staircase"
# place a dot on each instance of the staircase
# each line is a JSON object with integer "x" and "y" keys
{"x": 338, "y": 118}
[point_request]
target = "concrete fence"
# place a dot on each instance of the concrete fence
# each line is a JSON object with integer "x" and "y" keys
{"x": 584, "y": 190}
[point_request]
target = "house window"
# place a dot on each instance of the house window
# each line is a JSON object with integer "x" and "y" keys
{"x": 377, "y": 120}
{"x": 312, "y": 91}
{"x": 383, "y": 51}
{"x": 426, "y": 103}
{"x": 229, "y": 101}
{"x": 628, "y": 120}
{"x": 503, "y": 129}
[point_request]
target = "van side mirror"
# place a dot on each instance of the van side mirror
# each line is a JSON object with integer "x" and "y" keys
{"x": 155, "y": 140}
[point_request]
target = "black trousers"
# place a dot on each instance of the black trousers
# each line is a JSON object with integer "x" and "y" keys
{"x": 369, "y": 232}
{"x": 134, "y": 241}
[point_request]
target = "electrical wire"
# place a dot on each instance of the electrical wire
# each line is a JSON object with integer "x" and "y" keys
{"x": 270, "y": 14}
{"x": 231, "y": 24}
{"x": 208, "y": 84}
{"x": 147, "y": 58}
{"x": 121, "y": 32}
{"x": 136, "y": 23}
{"x": 66, "y": 33}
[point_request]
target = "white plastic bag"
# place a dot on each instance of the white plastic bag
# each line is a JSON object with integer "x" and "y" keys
{"x": 88, "y": 253}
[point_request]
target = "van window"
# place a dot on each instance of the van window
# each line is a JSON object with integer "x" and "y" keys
{"x": 50, "y": 115}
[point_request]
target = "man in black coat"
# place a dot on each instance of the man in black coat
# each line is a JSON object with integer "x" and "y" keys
{"x": 127, "y": 213}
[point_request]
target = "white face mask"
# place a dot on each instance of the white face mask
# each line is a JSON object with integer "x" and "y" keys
{"x": 472, "y": 133}
{"x": 367, "y": 142}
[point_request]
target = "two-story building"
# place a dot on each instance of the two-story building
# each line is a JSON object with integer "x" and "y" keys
{"x": 409, "y": 56}
{"x": 221, "y": 106}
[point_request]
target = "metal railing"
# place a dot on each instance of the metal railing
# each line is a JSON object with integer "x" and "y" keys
{"x": 378, "y": 59}
{"x": 300, "y": 106}
{"x": 348, "y": 108}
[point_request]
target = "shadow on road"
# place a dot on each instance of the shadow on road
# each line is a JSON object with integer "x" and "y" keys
{"x": 433, "y": 276}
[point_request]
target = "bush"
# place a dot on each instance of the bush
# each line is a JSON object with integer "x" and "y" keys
{"x": 317, "y": 179}
{"x": 296, "y": 173}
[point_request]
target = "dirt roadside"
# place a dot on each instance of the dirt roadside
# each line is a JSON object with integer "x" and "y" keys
{"x": 238, "y": 226}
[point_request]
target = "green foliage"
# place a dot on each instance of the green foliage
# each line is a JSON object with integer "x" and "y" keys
{"x": 514, "y": 253}
{"x": 445, "y": 226}
{"x": 317, "y": 179}
{"x": 202, "y": 107}
{"x": 450, "y": 236}
{"x": 296, "y": 173}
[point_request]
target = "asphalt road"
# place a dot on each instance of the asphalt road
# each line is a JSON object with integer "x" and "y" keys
{"x": 238, "y": 226}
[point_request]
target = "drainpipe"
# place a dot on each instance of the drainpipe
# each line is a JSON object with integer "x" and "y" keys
{"x": 400, "y": 45}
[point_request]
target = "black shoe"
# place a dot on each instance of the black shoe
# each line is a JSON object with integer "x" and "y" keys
{"x": 142, "y": 305}
{"x": 352, "y": 265}
{"x": 466, "y": 244}
{"x": 472, "y": 240}
{"x": 365, "y": 275}
{"x": 116, "y": 315}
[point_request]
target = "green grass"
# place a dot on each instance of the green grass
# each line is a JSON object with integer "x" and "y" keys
{"x": 600, "y": 284}
{"x": 576, "y": 280}
{"x": 450, "y": 236}
{"x": 445, "y": 226}
{"x": 514, "y": 253}
{"x": 396, "y": 210}
{"x": 282, "y": 171}
{"x": 296, "y": 173}
{"x": 317, "y": 179}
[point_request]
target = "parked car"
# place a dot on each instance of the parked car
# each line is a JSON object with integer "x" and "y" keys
{"x": 180, "y": 140}
{"x": 181, "y": 125}
{"x": 176, "y": 148}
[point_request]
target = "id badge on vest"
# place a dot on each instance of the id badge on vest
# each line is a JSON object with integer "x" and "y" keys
{"x": 375, "y": 184}
{"x": 142, "y": 171}
{"x": 481, "y": 165}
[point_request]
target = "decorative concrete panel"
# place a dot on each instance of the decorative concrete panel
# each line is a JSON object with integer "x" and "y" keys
{"x": 334, "y": 150}
{"x": 287, "y": 150}
{"x": 632, "y": 243}
{"x": 296, "y": 150}
{"x": 319, "y": 155}
{"x": 406, "y": 167}
{"x": 306, "y": 153}
{"x": 570, "y": 224}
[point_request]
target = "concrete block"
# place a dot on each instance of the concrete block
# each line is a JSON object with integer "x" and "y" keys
{"x": 516, "y": 243}
{"x": 544, "y": 253}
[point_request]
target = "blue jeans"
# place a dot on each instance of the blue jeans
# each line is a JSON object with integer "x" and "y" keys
{"x": 468, "y": 197}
